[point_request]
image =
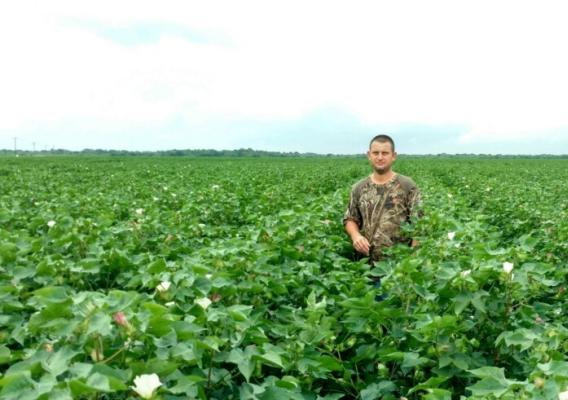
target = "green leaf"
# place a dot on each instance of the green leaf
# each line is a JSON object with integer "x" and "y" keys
{"x": 116, "y": 377}
{"x": 493, "y": 382}
{"x": 5, "y": 355}
{"x": 520, "y": 337}
{"x": 188, "y": 385}
{"x": 460, "y": 360}
{"x": 488, "y": 386}
{"x": 431, "y": 383}
{"x": 58, "y": 362}
{"x": 100, "y": 323}
{"x": 50, "y": 294}
{"x": 160, "y": 367}
{"x": 81, "y": 370}
{"x": 244, "y": 360}
{"x": 159, "y": 326}
{"x": 8, "y": 252}
{"x": 377, "y": 390}
{"x": 288, "y": 382}
{"x": 438, "y": 394}
{"x": 478, "y": 301}
{"x": 271, "y": 358}
{"x": 60, "y": 394}
{"x": 412, "y": 360}
{"x": 239, "y": 312}
{"x": 211, "y": 343}
{"x": 79, "y": 388}
{"x": 489, "y": 372}
{"x": 278, "y": 393}
{"x": 330, "y": 363}
{"x": 555, "y": 368}
{"x": 157, "y": 266}
{"x": 99, "y": 382}
{"x": 461, "y": 301}
{"x": 16, "y": 383}
{"x": 334, "y": 396}
{"x": 186, "y": 352}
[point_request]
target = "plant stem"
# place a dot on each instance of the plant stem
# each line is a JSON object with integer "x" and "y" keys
{"x": 209, "y": 373}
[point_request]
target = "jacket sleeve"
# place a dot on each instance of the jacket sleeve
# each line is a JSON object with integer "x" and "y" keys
{"x": 353, "y": 213}
{"x": 414, "y": 204}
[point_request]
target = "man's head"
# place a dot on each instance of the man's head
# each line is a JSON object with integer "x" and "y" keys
{"x": 381, "y": 154}
{"x": 382, "y": 139}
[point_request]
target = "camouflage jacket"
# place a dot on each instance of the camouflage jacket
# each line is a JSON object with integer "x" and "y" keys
{"x": 379, "y": 210}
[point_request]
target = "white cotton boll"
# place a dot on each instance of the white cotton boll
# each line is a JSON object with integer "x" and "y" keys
{"x": 466, "y": 273}
{"x": 163, "y": 286}
{"x": 203, "y": 302}
{"x": 145, "y": 385}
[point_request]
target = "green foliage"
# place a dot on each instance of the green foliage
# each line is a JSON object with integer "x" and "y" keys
{"x": 233, "y": 278}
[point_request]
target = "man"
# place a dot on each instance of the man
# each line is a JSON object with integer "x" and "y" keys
{"x": 380, "y": 203}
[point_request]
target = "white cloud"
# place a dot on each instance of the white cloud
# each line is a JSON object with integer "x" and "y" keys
{"x": 497, "y": 67}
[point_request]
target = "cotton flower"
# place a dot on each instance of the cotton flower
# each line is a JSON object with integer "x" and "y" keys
{"x": 466, "y": 273}
{"x": 563, "y": 395}
{"x": 145, "y": 385}
{"x": 163, "y": 286}
{"x": 451, "y": 235}
{"x": 215, "y": 297}
{"x": 450, "y": 195}
{"x": 51, "y": 223}
{"x": 507, "y": 267}
{"x": 203, "y": 302}
{"x": 215, "y": 187}
{"x": 120, "y": 319}
{"x": 139, "y": 211}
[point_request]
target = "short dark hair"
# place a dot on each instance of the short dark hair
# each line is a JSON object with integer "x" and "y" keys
{"x": 382, "y": 139}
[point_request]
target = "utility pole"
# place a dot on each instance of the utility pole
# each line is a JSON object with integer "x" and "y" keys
{"x": 15, "y": 144}
{"x": 34, "y": 146}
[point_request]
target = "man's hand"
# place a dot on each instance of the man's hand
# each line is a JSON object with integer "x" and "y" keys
{"x": 361, "y": 244}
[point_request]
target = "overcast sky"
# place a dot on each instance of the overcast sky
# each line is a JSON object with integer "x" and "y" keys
{"x": 319, "y": 76}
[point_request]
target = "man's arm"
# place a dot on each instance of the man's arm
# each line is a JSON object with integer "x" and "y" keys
{"x": 415, "y": 202}
{"x": 360, "y": 242}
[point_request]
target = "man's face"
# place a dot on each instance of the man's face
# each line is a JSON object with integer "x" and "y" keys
{"x": 381, "y": 156}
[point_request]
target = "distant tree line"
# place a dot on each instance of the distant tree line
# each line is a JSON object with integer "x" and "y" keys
{"x": 175, "y": 153}
{"x": 249, "y": 153}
